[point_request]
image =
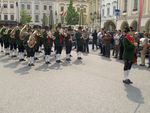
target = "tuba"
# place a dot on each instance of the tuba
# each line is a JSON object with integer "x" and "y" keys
{"x": 23, "y": 32}
{"x": 12, "y": 33}
{"x": 32, "y": 40}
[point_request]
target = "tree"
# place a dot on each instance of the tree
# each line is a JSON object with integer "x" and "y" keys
{"x": 25, "y": 17}
{"x": 72, "y": 17}
{"x": 45, "y": 20}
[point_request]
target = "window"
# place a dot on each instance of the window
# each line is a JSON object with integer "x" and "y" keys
{"x": 5, "y": 17}
{"x": 22, "y": 6}
{"x": 28, "y": 7}
{"x": 5, "y": 5}
{"x": 37, "y": 7}
{"x": 36, "y": 18}
{"x": 108, "y": 11}
{"x": 125, "y": 5}
{"x": 114, "y": 8}
{"x": 135, "y": 7}
{"x": 45, "y": 7}
{"x": 50, "y": 7}
{"x": 12, "y": 17}
{"x": 11, "y": 6}
{"x": 62, "y": 8}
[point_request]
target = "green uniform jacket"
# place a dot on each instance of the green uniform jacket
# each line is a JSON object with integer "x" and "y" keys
{"x": 79, "y": 39}
{"x": 45, "y": 41}
{"x": 128, "y": 50}
{"x": 58, "y": 41}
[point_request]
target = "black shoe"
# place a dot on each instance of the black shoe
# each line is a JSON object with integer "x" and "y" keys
{"x": 126, "y": 82}
{"x": 130, "y": 82}
{"x": 142, "y": 65}
{"x": 36, "y": 58}
{"x": 79, "y": 58}
{"x": 68, "y": 59}
{"x": 15, "y": 56}
{"x": 32, "y": 65}
{"x": 57, "y": 61}
{"x": 21, "y": 60}
{"x": 6, "y": 53}
{"x": 2, "y": 51}
{"x": 70, "y": 55}
{"x": 29, "y": 64}
{"x": 40, "y": 52}
{"x": 47, "y": 63}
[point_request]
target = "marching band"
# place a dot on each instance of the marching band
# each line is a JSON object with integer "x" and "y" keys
{"x": 26, "y": 41}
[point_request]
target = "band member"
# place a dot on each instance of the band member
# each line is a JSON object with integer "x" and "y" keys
{"x": 22, "y": 35}
{"x": 38, "y": 41}
{"x": 2, "y": 38}
{"x": 47, "y": 42}
{"x": 68, "y": 43}
{"x": 30, "y": 48}
{"x": 128, "y": 55}
{"x": 13, "y": 43}
{"x": 59, "y": 41}
{"x": 80, "y": 40}
{"x": 6, "y": 36}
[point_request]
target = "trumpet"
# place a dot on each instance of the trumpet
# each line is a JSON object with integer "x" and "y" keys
{"x": 12, "y": 33}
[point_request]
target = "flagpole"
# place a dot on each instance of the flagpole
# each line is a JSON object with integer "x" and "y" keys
{"x": 140, "y": 14}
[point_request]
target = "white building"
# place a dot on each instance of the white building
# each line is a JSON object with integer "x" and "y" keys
{"x": 8, "y": 10}
{"x": 108, "y": 18}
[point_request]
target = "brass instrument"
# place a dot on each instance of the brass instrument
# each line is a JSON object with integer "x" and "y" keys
{"x": 23, "y": 32}
{"x": 50, "y": 34}
{"x": 12, "y": 33}
{"x": 32, "y": 40}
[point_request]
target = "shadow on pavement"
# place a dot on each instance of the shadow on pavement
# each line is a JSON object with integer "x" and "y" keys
{"x": 23, "y": 70}
{"x": 106, "y": 58}
{"x": 12, "y": 65}
{"x": 43, "y": 67}
{"x": 134, "y": 94}
{"x": 77, "y": 62}
{"x": 55, "y": 66}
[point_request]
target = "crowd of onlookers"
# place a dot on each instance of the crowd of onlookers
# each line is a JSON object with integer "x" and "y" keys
{"x": 107, "y": 41}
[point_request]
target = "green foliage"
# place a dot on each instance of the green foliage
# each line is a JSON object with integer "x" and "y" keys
{"x": 25, "y": 17}
{"x": 45, "y": 20}
{"x": 72, "y": 17}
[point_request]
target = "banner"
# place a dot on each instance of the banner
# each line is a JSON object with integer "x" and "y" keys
{"x": 140, "y": 14}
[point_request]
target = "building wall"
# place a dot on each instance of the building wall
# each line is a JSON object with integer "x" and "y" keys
{"x": 132, "y": 15}
{"x": 107, "y": 13}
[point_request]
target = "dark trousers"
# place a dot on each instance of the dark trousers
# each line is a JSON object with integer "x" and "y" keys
{"x": 127, "y": 65}
{"x": 59, "y": 49}
{"x": 86, "y": 46}
{"x": 94, "y": 43}
{"x": 6, "y": 44}
{"x": 103, "y": 50}
{"x": 101, "y": 47}
{"x": 79, "y": 48}
{"x": 30, "y": 52}
{"x": 121, "y": 53}
{"x": 47, "y": 51}
{"x": 21, "y": 48}
{"x": 1, "y": 42}
{"x": 68, "y": 49}
{"x": 107, "y": 50}
{"x": 13, "y": 46}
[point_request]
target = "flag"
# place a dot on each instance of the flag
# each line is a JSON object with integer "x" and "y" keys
{"x": 140, "y": 14}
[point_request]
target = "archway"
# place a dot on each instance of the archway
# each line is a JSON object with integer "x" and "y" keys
{"x": 147, "y": 26}
{"x": 134, "y": 25}
{"x": 109, "y": 25}
{"x": 123, "y": 25}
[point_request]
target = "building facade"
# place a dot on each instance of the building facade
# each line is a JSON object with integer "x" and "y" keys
{"x": 49, "y": 12}
{"x": 108, "y": 17}
{"x": 130, "y": 10}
